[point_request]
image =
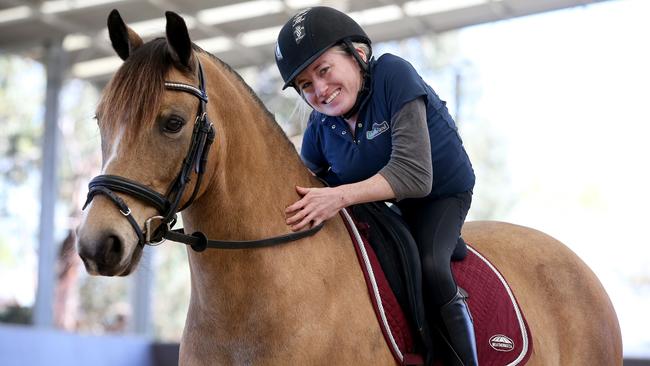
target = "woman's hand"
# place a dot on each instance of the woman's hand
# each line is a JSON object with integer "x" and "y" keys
{"x": 320, "y": 204}
{"x": 315, "y": 206}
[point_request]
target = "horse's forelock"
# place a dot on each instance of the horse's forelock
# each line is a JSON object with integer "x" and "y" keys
{"x": 134, "y": 94}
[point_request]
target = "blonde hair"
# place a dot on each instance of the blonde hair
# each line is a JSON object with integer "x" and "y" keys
{"x": 364, "y": 47}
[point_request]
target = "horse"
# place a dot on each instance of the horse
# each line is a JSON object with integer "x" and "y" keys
{"x": 303, "y": 302}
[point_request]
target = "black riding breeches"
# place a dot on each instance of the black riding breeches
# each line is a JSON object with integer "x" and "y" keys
{"x": 435, "y": 225}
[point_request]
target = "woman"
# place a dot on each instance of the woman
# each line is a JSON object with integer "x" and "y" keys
{"x": 379, "y": 132}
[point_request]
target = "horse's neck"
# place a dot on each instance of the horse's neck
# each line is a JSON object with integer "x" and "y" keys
{"x": 261, "y": 302}
{"x": 256, "y": 167}
{"x": 256, "y": 171}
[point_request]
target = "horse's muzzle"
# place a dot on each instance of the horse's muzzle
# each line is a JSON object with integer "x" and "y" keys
{"x": 103, "y": 254}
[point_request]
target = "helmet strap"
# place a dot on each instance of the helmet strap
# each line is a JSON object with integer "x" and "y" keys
{"x": 365, "y": 79}
{"x": 364, "y": 91}
{"x": 363, "y": 64}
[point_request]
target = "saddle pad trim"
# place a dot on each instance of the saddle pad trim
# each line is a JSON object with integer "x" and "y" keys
{"x": 520, "y": 319}
{"x": 375, "y": 290}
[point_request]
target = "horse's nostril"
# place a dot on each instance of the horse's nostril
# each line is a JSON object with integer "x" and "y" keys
{"x": 102, "y": 256}
{"x": 113, "y": 249}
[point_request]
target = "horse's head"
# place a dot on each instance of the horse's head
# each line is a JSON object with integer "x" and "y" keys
{"x": 153, "y": 141}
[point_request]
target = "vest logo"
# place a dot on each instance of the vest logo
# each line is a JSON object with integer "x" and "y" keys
{"x": 377, "y": 129}
{"x": 502, "y": 343}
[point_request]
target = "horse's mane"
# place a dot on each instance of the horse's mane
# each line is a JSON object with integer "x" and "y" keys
{"x": 269, "y": 116}
{"x": 133, "y": 86}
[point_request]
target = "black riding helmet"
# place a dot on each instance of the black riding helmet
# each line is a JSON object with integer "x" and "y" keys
{"x": 310, "y": 33}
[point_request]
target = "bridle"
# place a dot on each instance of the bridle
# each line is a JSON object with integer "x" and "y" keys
{"x": 167, "y": 205}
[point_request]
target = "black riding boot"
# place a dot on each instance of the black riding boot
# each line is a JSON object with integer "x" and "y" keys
{"x": 457, "y": 320}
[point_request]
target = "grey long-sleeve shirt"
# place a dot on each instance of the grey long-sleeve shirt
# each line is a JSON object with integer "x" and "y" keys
{"x": 409, "y": 171}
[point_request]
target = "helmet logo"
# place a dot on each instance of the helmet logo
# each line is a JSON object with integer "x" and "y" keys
{"x": 298, "y": 33}
{"x": 300, "y": 17}
{"x": 298, "y": 27}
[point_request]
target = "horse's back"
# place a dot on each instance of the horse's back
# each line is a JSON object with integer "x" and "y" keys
{"x": 572, "y": 319}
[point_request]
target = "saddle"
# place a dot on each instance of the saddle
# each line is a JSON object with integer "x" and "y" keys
{"x": 392, "y": 258}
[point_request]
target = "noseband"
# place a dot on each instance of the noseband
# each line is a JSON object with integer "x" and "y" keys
{"x": 168, "y": 205}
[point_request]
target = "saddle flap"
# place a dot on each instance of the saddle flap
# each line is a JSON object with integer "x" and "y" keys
{"x": 398, "y": 256}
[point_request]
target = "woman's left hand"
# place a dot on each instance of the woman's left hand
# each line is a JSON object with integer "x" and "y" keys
{"x": 315, "y": 206}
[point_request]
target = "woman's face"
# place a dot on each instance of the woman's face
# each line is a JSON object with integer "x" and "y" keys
{"x": 331, "y": 83}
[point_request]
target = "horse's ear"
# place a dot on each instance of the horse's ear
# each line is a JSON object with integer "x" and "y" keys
{"x": 123, "y": 38}
{"x": 178, "y": 39}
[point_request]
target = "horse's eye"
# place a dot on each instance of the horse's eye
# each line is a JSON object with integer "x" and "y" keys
{"x": 173, "y": 125}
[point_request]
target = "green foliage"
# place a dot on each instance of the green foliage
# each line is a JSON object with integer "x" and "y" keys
{"x": 22, "y": 94}
{"x": 16, "y": 314}
{"x": 6, "y": 257}
{"x": 22, "y": 98}
{"x": 98, "y": 298}
{"x": 80, "y": 143}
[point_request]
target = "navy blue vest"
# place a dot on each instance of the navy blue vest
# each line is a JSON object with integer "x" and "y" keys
{"x": 331, "y": 151}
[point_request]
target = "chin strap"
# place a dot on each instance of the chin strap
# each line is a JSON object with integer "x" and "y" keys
{"x": 362, "y": 97}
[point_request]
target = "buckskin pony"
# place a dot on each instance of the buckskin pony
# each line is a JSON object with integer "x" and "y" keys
{"x": 299, "y": 303}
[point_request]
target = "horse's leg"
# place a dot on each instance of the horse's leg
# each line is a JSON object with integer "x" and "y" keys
{"x": 572, "y": 319}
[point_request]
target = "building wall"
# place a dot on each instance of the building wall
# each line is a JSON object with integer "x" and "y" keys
{"x": 20, "y": 346}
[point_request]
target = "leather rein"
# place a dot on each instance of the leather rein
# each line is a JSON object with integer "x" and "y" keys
{"x": 167, "y": 205}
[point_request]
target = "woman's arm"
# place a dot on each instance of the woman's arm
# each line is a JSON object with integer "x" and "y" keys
{"x": 409, "y": 170}
{"x": 408, "y": 173}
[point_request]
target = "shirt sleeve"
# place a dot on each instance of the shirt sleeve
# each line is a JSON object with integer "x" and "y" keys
{"x": 401, "y": 84}
{"x": 310, "y": 151}
{"x": 409, "y": 171}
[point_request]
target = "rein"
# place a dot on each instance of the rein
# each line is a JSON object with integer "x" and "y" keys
{"x": 167, "y": 205}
